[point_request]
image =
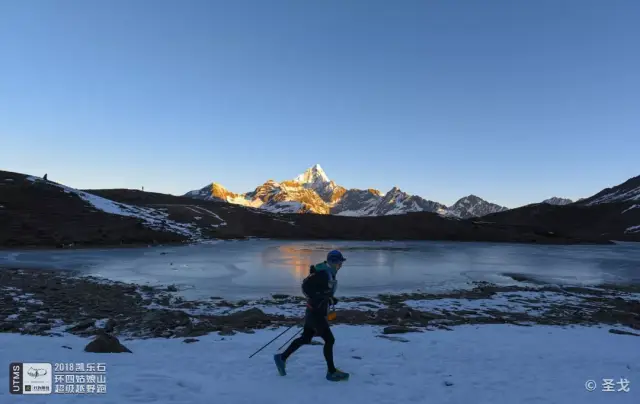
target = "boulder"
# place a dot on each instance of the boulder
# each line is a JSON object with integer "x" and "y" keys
{"x": 106, "y": 343}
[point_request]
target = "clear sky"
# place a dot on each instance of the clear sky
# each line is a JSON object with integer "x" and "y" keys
{"x": 512, "y": 100}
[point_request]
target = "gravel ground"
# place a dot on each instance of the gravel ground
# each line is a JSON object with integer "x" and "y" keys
{"x": 42, "y": 302}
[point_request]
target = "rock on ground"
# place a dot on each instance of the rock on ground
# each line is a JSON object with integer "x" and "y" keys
{"x": 105, "y": 343}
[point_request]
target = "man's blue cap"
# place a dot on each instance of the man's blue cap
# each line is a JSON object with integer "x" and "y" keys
{"x": 335, "y": 256}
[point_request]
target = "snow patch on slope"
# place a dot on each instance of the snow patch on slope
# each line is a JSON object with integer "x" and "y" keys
{"x": 632, "y": 207}
{"x": 633, "y": 229}
{"x": 557, "y": 201}
{"x": 618, "y": 196}
{"x": 154, "y": 219}
{"x": 283, "y": 207}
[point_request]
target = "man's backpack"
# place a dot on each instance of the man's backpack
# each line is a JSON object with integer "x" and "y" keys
{"x": 307, "y": 283}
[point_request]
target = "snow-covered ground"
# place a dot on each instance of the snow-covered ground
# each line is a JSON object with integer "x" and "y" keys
{"x": 153, "y": 218}
{"x": 471, "y": 364}
{"x": 515, "y": 302}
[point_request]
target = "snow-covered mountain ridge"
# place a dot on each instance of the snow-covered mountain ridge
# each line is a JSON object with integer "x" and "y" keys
{"x": 557, "y": 201}
{"x": 313, "y": 192}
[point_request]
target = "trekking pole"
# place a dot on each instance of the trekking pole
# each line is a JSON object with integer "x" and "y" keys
{"x": 294, "y": 335}
{"x": 268, "y": 343}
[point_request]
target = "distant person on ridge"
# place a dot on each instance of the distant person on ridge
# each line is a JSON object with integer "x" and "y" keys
{"x": 319, "y": 288}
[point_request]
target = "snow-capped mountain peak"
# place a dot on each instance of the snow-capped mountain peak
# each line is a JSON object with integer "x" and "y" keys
{"x": 312, "y": 176}
{"x": 394, "y": 194}
{"x": 557, "y": 201}
{"x": 313, "y": 191}
{"x": 474, "y": 206}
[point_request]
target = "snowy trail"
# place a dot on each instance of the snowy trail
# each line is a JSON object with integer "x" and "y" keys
{"x": 471, "y": 364}
{"x": 200, "y": 209}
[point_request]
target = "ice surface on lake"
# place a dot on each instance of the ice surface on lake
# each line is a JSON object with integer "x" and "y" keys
{"x": 258, "y": 268}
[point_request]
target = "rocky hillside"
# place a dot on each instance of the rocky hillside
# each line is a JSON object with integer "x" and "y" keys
{"x": 613, "y": 213}
{"x": 627, "y": 192}
{"x": 38, "y": 213}
{"x": 358, "y": 202}
{"x": 313, "y": 192}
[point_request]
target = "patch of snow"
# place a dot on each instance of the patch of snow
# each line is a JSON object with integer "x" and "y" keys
{"x": 633, "y": 229}
{"x": 283, "y": 207}
{"x": 557, "y": 201}
{"x": 12, "y": 317}
{"x": 632, "y": 207}
{"x": 200, "y": 209}
{"x": 9, "y": 179}
{"x": 152, "y": 218}
{"x": 241, "y": 200}
{"x": 517, "y": 302}
{"x": 361, "y": 306}
{"x": 222, "y": 222}
{"x": 286, "y": 309}
{"x": 631, "y": 195}
{"x": 101, "y": 323}
{"x": 471, "y": 364}
{"x": 354, "y": 213}
{"x": 27, "y": 299}
{"x": 58, "y": 326}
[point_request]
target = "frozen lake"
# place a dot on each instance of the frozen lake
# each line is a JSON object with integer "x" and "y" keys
{"x": 258, "y": 268}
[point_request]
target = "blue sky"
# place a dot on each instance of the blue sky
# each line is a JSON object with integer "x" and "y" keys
{"x": 512, "y": 100}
